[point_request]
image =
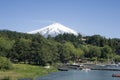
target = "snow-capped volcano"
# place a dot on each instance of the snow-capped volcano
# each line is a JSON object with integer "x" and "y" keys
{"x": 53, "y": 30}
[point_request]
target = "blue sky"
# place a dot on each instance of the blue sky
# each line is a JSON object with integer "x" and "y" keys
{"x": 85, "y": 16}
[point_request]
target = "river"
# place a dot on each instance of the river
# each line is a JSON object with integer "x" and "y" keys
{"x": 81, "y": 75}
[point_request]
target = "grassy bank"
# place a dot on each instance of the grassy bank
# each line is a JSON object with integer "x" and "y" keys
{"x": 25, "y": 71}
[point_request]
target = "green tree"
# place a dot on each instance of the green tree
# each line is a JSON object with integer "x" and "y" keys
{"x": 96, "y": 40}
{"x": 78, "y": 54}
{"x": 94, "y": 51}
{"x": 106, "y": 52}
{"x": 21, "y": 50}
{"x": 67, "y": 52}
{"x": 5, "y": 46}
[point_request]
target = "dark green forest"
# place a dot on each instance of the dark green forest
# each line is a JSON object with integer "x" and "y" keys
{"x": 35, "y": 49}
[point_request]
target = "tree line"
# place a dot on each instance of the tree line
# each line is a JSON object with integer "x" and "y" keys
{"x": 35, "y": 49}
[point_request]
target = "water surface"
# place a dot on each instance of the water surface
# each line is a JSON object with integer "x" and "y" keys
{"x": 81, "y": 75}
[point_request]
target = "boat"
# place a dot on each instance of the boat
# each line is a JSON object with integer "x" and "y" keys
{"x": 62, "y": 69}
{"x": 115, "y": 75}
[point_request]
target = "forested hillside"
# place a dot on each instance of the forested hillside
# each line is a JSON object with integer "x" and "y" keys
{"x": 35, "y": 49}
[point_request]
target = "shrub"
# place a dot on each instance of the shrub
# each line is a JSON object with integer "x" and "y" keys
{"x": 5, "y": 64}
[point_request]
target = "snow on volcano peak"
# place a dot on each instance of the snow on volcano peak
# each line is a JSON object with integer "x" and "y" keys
{"x": 53, "y": 30}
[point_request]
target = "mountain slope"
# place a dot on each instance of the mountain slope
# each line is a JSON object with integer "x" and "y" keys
{"x": 53, "y": 30}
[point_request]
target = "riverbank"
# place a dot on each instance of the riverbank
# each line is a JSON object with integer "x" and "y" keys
{"x": 25, "y": 71}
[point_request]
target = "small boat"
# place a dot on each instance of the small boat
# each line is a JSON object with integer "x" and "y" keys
{"x": 115, "y": 75}
{"x": 62, "y": 69}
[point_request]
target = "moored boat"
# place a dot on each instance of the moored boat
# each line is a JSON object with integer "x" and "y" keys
{"x": 62, "y": 69}
{"x": 115, "y": 75}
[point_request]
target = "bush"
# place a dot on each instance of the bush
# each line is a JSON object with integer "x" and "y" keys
{"x": 5, "y": 64}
